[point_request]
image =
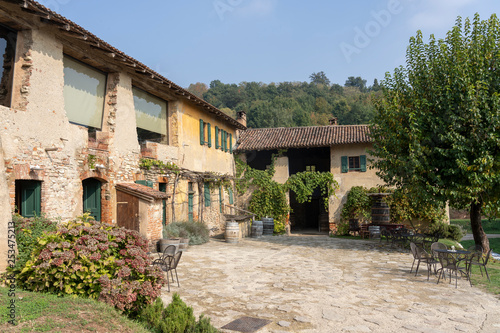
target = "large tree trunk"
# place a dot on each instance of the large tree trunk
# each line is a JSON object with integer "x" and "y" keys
{"x": 477, "y": 228}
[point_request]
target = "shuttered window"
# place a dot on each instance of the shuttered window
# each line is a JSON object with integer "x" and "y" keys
{"x": 150, "y": 115}
{"x": 84, "y": 89}
{"x": 206, "y": 192}
{"x": 230, "y": 143}
{"x": 205, "y": 133}
{"x": 353, "y": 163}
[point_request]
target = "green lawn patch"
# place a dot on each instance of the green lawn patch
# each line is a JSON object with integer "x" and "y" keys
{"x": 494, "y": 244}
{"x": 41, "y": 312}
{"x": 489, "y": 226}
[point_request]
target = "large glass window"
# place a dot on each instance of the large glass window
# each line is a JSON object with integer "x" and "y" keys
{"x": 7, "y": 58}
{"x": 151, "y": 116}
{"x": 84, "y": 89}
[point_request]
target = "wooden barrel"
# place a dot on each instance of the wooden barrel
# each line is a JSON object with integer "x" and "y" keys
{"x": 183, "y": 244}
{"x": 163, "y": 243}
{"x": 257, "y": 229}
{"x": 268, "y": 226}
{"x": 232, "y": 232}
{"x": 381, "y": 213}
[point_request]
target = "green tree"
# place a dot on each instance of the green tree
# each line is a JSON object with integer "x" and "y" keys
{"x": 319, "y": 78}
{"x": 356, "y": 82}
{"x": 438, "y": 126}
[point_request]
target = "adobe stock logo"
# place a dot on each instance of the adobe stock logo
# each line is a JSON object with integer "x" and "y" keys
{"x": 363, "y": 36}
{"x": 223, "y": 6}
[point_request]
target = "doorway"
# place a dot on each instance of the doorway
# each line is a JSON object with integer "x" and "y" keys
{"x": 92, "y": 197}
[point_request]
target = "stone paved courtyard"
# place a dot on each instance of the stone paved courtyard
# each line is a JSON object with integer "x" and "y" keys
{"x": 323, "y": 284}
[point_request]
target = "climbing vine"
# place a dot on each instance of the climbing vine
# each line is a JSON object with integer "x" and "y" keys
{"x": 303, "y": 184}
{"x": 269, "y": 197}
{"x": 148, "y": 163}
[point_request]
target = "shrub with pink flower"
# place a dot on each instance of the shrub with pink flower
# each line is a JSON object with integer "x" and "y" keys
{"x": 96, "y": 260}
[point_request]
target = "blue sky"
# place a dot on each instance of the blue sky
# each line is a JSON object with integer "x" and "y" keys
{"x": 267, "y": 40}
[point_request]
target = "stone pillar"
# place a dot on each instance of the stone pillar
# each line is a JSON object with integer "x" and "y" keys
{"x": 5, "y": 214}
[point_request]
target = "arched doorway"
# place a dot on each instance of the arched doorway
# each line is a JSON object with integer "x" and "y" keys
{"x": 92, "y": 197}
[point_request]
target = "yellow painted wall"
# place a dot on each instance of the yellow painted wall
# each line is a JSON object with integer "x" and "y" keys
{"x": 193, "y": 155}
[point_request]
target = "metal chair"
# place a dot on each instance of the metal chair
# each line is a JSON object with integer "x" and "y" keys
{"x": 164, "y": 261}
{"x": 174, "y": 261}
{"x": 478, "y": 259}
{"x": 420, "y": 255}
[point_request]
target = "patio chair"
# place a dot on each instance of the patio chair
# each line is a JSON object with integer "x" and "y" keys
{"x": 437, "y": 246}
{"x": 164, "y": 260}
{"x": 478, "y": 259}
{"x": 363, "y": 231}
{"x": 173, "y": 267}
{"x": 420, "y": 255}
{"x": 451, "y": 263}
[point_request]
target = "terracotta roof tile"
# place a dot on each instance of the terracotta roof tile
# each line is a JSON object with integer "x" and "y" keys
{"x": 302, "y": 137}
{"x": 70, "y": 26}
{"x": 142, "y": 190}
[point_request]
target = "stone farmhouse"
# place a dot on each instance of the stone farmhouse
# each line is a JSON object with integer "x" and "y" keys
{"x": 84, "y": 127}
{"x": 341, "y": 150}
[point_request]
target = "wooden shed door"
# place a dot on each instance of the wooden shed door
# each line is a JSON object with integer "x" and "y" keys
{"x": 127, "y": 211}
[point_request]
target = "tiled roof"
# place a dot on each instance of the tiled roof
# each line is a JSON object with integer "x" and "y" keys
{"x": 71, "y": 28}
{"x": 141, "y": 191}
{"x": 302, "y": 137}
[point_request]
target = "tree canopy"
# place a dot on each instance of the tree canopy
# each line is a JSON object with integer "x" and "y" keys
{"x": 437, "y": 127}
{"x": 288, "y": 104}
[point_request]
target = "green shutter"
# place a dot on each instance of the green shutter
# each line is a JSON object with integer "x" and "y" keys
{"x": 362, "y": 163}
{"x": 209, "y": 136}
{"x": 220, "y": 198}
{"x": 206, "y": 192}
{"x": 147, "y": 183}
{"x": 344, "y": 164}
{"x": 222, "y": 137}
{"x": 31, "y": 199}
{"x": 230, "y": 143}
{"x": 230, "y": 196}
{"x": 162, "y": 187}
{"x": 202, "y": 134}
{"x": 190, "y": 202}
{"x": 225, "y": 140}
{"x": 92, "y": 197}
{"x": 216, "y": 137}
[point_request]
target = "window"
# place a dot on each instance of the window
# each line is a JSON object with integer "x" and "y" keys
{"x": 84, "y": 89}
{"x": 150, "y": 115}
{"x": 353, "y": 163}
{"x": 205, "y": 134}
{"x": 8, "y": 40}
{"x": 311, "y": 168}
{"x": 28, "y": 197}
{"x": 206, "y": 192}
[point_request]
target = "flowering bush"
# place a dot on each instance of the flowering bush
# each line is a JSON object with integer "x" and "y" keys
{"x": 95, "y": 260}
{"x": 27, "y": 232}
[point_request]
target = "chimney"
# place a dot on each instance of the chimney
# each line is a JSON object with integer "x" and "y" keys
{"x": 242, "y": 118}
{"x": 333, "y": 121}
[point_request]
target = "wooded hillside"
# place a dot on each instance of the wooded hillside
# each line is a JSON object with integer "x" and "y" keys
{"x": 289, "y": 104}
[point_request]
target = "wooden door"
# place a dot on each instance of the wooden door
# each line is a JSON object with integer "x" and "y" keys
{"x": 127, "y": 211}
{"x": 92, "y": 197}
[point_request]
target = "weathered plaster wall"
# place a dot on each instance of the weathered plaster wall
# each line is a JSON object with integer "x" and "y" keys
{"x": 5, "y": 216}
{"x": 347, "y": 180}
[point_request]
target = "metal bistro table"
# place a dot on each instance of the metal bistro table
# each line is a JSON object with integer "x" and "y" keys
{"x": 451, "y": 260}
